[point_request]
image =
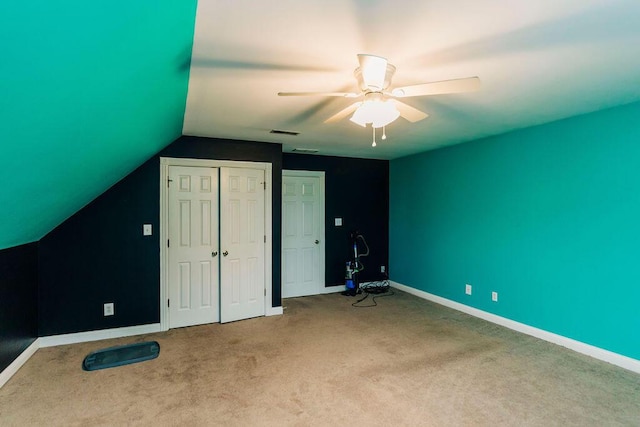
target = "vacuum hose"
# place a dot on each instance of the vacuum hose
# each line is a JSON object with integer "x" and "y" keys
{"x": 355, "y": 266}
{"x": 356, "y": 257}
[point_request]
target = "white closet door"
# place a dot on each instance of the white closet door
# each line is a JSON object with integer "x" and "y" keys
{"x": 242, "y": 243}
{"x": 302, "y": 235}
{"x": 193, "y": 246}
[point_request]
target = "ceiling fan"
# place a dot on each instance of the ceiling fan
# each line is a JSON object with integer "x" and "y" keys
{"x": 380, "y": 105}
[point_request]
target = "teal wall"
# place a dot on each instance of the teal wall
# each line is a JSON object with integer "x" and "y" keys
{"x": 89, "y": 91}
{"x": 548, "y": 217}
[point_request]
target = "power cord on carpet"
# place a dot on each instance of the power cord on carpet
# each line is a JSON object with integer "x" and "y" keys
{"x": 379, "y": 289}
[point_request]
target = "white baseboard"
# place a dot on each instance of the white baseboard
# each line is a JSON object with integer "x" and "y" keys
{"x": 340, "y": 288}
{"x": 274, "y": 311}
{"x": 595, "y": 352}
{"x": 332, "y": 289}
{"x": 103, "y": 334}
{"x": 321, "y": 291}
{"x": 64, "y": 339}
{"x": 578, "y": 346}
{"x": 10, "y": 370}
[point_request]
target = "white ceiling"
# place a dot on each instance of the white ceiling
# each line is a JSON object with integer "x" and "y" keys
{"x": 538, "y": 61}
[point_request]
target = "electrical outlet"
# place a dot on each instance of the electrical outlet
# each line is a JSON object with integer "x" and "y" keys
{"x": 494, "y": 296}
{"x": 146, "y": 230}
{"x": 108, "y": 309}
{"x": 467, "y": 289}
{"x": 383, "y": 269}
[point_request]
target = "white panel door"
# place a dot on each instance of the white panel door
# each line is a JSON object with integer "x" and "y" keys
{"x": 302, "y": 236}
{"x": 193, "y": 246}
{"x": 242, "y": 283}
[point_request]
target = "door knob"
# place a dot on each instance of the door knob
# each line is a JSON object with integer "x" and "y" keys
{"x": 317, "y": 241}
{"x": 225, "y": 253}
{"x": 214, "y": 253}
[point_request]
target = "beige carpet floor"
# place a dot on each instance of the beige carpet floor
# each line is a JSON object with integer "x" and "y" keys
{"x": 406, "y": 362}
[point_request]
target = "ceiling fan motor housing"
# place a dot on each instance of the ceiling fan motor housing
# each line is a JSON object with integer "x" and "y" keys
{"x": 390, "y": 71}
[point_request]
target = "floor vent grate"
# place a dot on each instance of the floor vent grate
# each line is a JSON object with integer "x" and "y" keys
{"x": 121, "y": 355}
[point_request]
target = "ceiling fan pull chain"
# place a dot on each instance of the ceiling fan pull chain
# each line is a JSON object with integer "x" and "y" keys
{"x": 374, "y": 137}
{"x": 384, "y": 133}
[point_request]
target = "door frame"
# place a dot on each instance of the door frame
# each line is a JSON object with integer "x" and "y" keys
{"x": 322, "y": 288}
{"x": 165, "y": 162}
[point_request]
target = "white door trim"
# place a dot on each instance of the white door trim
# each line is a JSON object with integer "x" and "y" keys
{"x": 321, "y": 175}
{"x": 165, "y": 162}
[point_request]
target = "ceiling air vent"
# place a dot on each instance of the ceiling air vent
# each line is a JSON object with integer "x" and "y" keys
{"x": 284, "y": 132}
{"x": 305, "y": 150}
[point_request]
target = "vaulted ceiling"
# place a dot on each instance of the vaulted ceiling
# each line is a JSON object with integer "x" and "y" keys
{"x": 538, "y": 61}
{"x": 89, "y": 90}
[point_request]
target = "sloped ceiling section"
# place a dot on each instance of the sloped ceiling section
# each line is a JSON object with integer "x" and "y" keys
{"x": 89, "y": 91}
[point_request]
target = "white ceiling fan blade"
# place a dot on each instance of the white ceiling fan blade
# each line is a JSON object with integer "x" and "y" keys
{"x": 469, "y": 84}
{"x": 344, "y": 113}
{"x": 341, "y": 94}
{"x": 373, "y": 69}
{"x": 410, "y": 113}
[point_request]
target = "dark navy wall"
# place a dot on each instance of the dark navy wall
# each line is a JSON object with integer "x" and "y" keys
{"x": 18, "y": 301}
{"x": 100, "y": 255}
{"x": 356, "y": 190}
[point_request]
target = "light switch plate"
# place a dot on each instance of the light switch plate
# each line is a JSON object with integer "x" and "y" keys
{"x": 338, "y": 222}
{"x": 147, "y": 230}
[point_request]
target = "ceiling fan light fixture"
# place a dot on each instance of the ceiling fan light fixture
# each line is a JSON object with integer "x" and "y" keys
{"x": 377, "y": 112}
{"x": 359, "y": 116}
{"x": 384, "y": 113}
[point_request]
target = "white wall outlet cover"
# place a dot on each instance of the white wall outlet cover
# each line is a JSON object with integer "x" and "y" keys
{"x": 108, "y": 309}
{"x": 494, "y": 296}
{"x": 338, "y": 222}
{"x": 146, "y": 230}
{"x": 467, "y": 289}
